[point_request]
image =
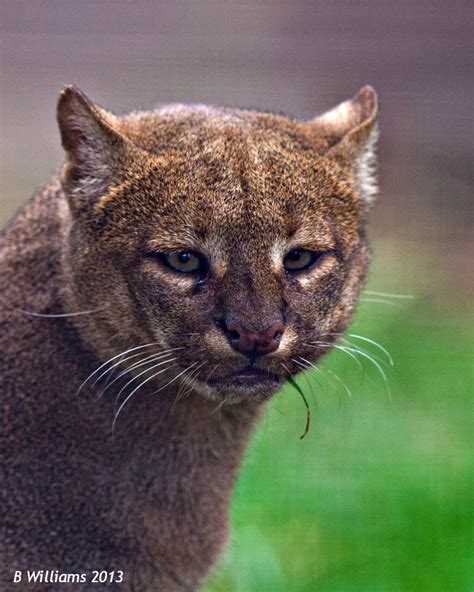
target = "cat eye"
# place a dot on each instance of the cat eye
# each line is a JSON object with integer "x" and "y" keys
{"x": 186, "y": 262}
{"x": 300, "y": 259}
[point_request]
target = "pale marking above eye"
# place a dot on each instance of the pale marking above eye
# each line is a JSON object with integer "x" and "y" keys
{"x": 220, "y": 270}
{"x": 277, "y": 254}
{"x": 215, "y": 250}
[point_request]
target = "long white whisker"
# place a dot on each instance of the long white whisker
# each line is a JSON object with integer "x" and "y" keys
{"x": 323, "y": 370}
{"x": 377, "y": 301}
{"x": 341, "y": 348}
{"x": 295, "y": 361}
{"x": 131, "y": 395}
{"x": 187, "y": 383}
{"x": 377, "y": 365}
{"x": 310, "y": 385}
{"x": 376, "y": 344}
{"x": 134, "y": 378}
{"x": 149, "y": 359}
{"x": 187, "y": 379}
{"x": 387, "y": 295}
{"x": 142, "y": 362}
{"x": 349, "y": 353}
{"x": 121, "y": 361}
{"x": 107, "y": 381}
{"x": 310, "y": 366}
{"x": 121, "y": 354}
{"x": 339, "y": 379}
{"x": 331, "y": 382}
{"x": 58, "y": 315}
{"x": 175, "y": 378}
{"x": 357, "y": 348}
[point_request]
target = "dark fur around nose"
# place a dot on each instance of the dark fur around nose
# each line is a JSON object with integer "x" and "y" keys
{"x": 254, "y": 343}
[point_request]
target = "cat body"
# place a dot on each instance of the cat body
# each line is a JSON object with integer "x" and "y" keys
{"x": 155, "y": 293}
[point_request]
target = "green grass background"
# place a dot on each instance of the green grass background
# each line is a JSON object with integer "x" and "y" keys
{"x": 379, "y": 494}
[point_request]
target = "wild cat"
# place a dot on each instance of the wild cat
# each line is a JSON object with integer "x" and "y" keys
{"x": 183, "y": 260}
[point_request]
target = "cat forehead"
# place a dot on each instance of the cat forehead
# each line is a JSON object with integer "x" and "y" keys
{"x": 232, "y": 183}
{"x": 238, "y": 192}
{"x": 237, "y": 219}
{"x": 223, "y": 159}
{"x": 205, "y": 128}
{"x": 228, "y": 176}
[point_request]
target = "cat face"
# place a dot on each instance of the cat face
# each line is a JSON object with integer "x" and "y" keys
{"x": 234, "y": 240}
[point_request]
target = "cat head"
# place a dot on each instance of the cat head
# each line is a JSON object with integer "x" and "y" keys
{"x": 231, "y": 239}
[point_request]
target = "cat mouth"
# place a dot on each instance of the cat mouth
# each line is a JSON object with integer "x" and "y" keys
{"x": 250, "y": 375}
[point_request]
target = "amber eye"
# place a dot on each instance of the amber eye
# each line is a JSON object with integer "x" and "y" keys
{"x": 300, "y": 259}
{"x": 186, "y": 262}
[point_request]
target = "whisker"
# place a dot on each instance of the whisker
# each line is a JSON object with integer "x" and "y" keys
{"x": 187, "y": 383}
{"x": 110, "y": 376}
{"x": 309, "y": 366}
{"x": 142, "y": 362}
{"x": 307, "y": 363}
{"x": 217, "y": 409}
{"x": 326, "y": 370}
{"x": 333, "y": 385}
{"x": 131, "y": 395}
{"x": 58, "y": 315}
{"x": 311, "y": 387}
{"x": 189, "y": 379}
{"x": 339, "y": 379}
{"x": 134, "y": 378}
{"x": 185, "y": 334}
{"x": 149, "y": 359}
{"x": 192, "y": 380}
{"x": 377, "y": 301}
{"x": 351, "y": 346}
{"x": 122, "y": 360}
{"x": 175, "y": 378}
{"x": 214, "y": 368}
{"x": 358, "y": 348}
{"x": 376, "y": 344}
{"x": 121, "y": 354}
{"x": 387, "y": 295}
{"x": 338, "y": 347}
{"x": 373, "y": 359}
{"x": 377, "y": 365}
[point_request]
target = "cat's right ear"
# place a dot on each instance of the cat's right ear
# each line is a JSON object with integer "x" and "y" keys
{"x": 95, "y": 149}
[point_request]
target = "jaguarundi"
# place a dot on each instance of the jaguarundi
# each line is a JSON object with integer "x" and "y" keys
{"x": 155, "y": 293}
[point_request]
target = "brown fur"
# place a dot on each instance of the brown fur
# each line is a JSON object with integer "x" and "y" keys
{"x": 241, "y": 187}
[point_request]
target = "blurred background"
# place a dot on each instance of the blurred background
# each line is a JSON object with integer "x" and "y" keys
{"x": 379, "y": 494}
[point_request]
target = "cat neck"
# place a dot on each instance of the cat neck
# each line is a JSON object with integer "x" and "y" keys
{"x": 162, "y": 433}
{"x": 175, "y": 464}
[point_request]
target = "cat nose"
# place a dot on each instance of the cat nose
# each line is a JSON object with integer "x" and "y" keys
{"x": 255, "y": 343}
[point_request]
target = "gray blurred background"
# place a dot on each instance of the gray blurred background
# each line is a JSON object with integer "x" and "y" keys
{"x": 293, "y": 56}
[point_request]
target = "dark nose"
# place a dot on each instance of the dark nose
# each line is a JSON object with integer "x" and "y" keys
{"x": 255, "y": 343}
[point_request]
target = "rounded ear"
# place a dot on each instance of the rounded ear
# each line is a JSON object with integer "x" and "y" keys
{"x": 95, "y": 150}
{"x": 348, "y": 134}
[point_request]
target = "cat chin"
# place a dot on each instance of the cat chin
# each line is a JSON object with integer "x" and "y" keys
{"x": 231, "y": 393}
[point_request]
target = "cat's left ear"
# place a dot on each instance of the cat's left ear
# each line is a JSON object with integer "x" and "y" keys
{"x": 348, "y": 134}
